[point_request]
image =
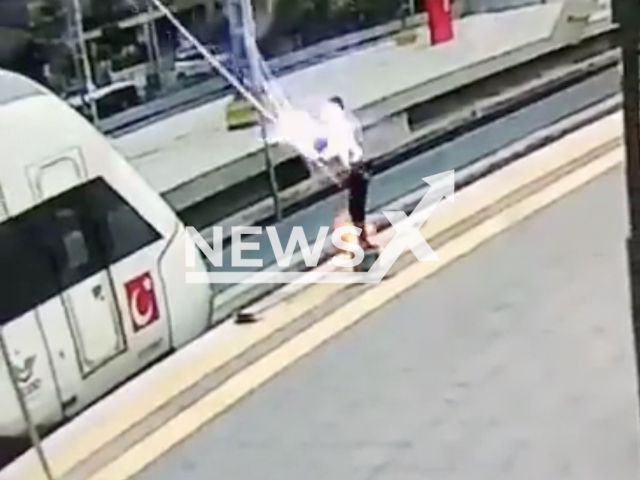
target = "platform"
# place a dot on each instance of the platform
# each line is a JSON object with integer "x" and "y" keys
{"x": 191, "y": 156}
{"x": 554, "y": 272}
{"x": 513, "y": 363}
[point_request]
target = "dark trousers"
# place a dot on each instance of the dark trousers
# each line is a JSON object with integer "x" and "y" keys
{"x": 358, "y": 186}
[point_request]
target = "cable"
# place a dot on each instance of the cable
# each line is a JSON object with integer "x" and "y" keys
{"x": 277, "y": 98}
{"x": 212, "y": 60}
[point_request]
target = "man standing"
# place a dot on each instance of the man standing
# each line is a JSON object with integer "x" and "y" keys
{"x": 344, "y": 136}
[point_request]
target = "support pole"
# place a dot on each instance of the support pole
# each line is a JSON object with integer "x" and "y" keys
{"x": 411, "y": 8}
{"x": 246, "y": 34}
{"x": 72, "y": 39}
{"x": 626, "y": 14}
{"x": 86, "y": 65}
{"x": 33, "y": 433}
{"x": 152, "y": 43}
{"x": 212, "y": 60}
{"x": 273, "y": 181}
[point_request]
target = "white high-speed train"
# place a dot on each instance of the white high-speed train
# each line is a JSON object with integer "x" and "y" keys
{"x": 92, "y": 263}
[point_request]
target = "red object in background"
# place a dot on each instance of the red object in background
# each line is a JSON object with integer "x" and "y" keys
{"x": 439, "y": 20}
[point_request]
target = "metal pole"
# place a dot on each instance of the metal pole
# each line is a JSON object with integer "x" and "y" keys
{"x": 33, "y": 433}
{"x": 212, "y": 60}
{"x": 73, "y": 41}
{"x": 152, "y": 40}
{"x": 88, "y": 76}
{"x": 626, "y": 14}
{"x": 257, "y": 82}
{"x": 273, "y": 181}
{"x": 247, "y": 93}
{"x": 411, "y": 8}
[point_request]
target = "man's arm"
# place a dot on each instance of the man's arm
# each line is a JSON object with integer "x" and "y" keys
{"x": 358, "y": 131}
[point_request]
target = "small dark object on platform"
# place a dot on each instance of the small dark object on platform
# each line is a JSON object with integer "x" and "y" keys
{"x": 246, "y": 317}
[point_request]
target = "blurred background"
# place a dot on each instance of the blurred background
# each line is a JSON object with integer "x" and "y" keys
{"x": 134, "y": 55}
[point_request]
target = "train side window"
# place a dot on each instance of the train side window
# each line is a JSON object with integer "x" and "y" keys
{"x": 61, "y": 242}
{"x": 73, "y": 240}
{"x": 126, "y": 230}
{"x": 76, "y": 248}
{"x": 75, "y": 252}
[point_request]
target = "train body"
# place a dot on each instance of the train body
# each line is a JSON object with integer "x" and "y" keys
{"x": 92, "y": 261}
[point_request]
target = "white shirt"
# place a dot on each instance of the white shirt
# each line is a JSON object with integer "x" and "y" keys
{"x": 300, "y": 130}
{"x": 342, "y": 131}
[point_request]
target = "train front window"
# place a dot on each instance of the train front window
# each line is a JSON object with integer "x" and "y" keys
{"x": 123, "y": 219}
{"x": 26, "y": 273}
{"x": 126, "y": 230}
{"x": 63, "y": 241}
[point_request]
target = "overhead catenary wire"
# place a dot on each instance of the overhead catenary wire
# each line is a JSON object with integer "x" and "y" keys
{"x": 278, "y": 100}
{"x": 214, "y": 62}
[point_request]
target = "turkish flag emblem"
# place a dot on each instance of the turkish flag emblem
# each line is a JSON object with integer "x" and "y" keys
{"x": 143, "y": 305}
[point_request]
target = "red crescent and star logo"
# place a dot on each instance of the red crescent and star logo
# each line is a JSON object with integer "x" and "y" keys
{"x": 143, "y": 304}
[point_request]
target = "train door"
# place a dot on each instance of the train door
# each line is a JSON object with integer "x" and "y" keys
{"x": 134, "y": 249}
{"x": 87, "y": 301}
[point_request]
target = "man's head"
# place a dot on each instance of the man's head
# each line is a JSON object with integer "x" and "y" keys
{"x": 337, "y": 101}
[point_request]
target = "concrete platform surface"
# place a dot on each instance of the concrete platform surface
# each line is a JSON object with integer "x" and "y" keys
{"x": 512, "y": 363}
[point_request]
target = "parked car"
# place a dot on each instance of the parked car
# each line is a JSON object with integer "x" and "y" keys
{"x": 112, "y": 99}
{"x": 189, "y": 62}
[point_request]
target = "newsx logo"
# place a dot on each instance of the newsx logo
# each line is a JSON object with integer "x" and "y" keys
{"x": 407, "y": 235}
